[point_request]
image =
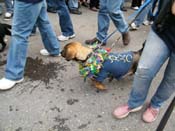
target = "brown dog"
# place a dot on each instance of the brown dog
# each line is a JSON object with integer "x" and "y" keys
{"x": 117, "y": 65}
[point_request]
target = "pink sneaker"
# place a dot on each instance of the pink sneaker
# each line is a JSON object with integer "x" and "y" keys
{"x": 123, "y": 111}
{"x": 150, "y": 114}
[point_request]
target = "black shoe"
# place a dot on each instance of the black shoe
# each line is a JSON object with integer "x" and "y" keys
{"x": 123, "y": 8}
{"x": 126, "y": 38}
{"x": 75, "y": 11}
{"x": 85, "y": 4}
{"x": 93, "y": 41}
{"x": 51, "y": 10}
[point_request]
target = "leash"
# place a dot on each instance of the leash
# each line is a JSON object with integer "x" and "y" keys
{"x": 136, "y": 14}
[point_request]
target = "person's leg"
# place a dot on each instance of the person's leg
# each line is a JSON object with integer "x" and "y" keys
{"x": 117, "y": 15}
{"x": 122, "y": 7}
{"x": 118, "y": 19}
{"x": 103, "y": 21}
{"x": 64, "y": 19}
{"x": 47, "y": 33}
{"x": 51, "y": 6}
{"x": 134, "y": 3}
{"x": 93, "y": 5}
{"x": 140, "y": 18}
{"x": 164, "y": 91}
{"x": 73, "y": 4}
{"x": 9, "y": 6}
{"x": 73, "y": 7}
{"x": 50, "y": 3}
{"x": 167, "y": 86}
{"x": 153, "y": 57}
{"x": 9, "y": 10}
{"x": 25, "y": 16}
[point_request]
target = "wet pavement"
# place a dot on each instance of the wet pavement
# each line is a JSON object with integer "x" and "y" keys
{"x": 54, "y": 97}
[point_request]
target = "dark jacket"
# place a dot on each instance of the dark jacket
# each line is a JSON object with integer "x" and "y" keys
{"x": 31, "y": 1}
{"x": 164, "y": 24}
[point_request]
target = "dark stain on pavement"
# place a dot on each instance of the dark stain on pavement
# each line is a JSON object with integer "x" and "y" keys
{"x": 99, "y": 116}
{"x": 60, "y": 126}
{"x": 56, "y": 108}
{"x": 36, "y": 69}
{"x": 84, "y": 125}
{"x": 19, "y": 129}
{"x": 10, "y": 108}
{"x": 72, "y": 101}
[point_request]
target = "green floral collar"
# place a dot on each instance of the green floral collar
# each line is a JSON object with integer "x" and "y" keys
{"x": 93, "y": 64}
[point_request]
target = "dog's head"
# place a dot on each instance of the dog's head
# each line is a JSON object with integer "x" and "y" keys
{"x": 75, "y": 51}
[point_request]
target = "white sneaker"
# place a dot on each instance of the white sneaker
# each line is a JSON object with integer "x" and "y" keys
{"x": 44, "y": 52}
{"x": 133, "y": 26}
{"x": 7, "y": 16}
{"x": 147, "y": 22}
{"x": 135, "y": 8}
{"x": 64, "y": 38}
{"x": 6, "y": 84}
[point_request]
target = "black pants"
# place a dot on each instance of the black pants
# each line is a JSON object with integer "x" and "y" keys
{"x": 94, "y": 3}
{"x": 136, "y": 3}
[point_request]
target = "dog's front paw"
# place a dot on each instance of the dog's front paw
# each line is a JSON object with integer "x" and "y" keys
{"x": 99, "y": 85}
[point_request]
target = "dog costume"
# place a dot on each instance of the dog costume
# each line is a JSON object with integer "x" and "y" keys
{"x": 101, "y": 64}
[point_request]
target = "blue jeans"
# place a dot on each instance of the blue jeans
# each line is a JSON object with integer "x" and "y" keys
{"x": 73, "y": 4}
{"x": 64, "y": 18}
{"x": 153, "y": 57}
{"x": 110, "y": 9}
{"x": 9, "y": 6}
{"x": 25, "y": 17}
{"x": 51, "y": 4}
{"x": 141, "y": 17}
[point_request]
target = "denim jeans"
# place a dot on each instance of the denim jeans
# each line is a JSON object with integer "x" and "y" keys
{"x": 110, "y": 9}
{"x": 51, "y": 4}
{"x": 73, "y": 4}
{"x": 153, "y": 57}
{"x": 141, "y": 17}
{"x": 25, "y": 17}
{"x": 9, "y": 6}
{"x": 64, "y": 18}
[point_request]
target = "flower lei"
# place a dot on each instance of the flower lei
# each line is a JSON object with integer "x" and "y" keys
{"x": 94, "y": 63}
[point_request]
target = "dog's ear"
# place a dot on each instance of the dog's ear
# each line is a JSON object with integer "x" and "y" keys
{"x": 70, "y": 54}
